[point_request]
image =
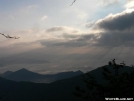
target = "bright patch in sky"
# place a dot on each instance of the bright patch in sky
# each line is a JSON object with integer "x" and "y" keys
{"x": 43, "y": 18}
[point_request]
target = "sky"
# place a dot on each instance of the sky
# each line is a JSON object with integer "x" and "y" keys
{"x": 56, "y": 37}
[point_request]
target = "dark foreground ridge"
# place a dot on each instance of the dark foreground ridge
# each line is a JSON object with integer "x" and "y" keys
{"x": 110, "y": 81}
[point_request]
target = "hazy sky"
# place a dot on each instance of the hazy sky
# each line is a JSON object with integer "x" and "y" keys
{"x": 55, "y": 36}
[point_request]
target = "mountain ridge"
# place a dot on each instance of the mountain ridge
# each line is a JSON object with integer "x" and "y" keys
{"x": 26, "y": 75}
{"x": 61, "y": 90}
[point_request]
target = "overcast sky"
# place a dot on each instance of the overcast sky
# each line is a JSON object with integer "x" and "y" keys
{"x": 57, "y": 37}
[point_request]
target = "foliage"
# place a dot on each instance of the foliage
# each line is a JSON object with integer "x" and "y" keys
{"x": 116, "y": 84}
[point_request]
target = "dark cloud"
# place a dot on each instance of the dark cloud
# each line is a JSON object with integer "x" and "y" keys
{"x": 64, "y": 31}
{"x": 86, "y": 37}
{"x": 70, "y": 36}
{"x": 72, "y": 43}
{"x": 55, "y": 29}
{"x": 122, "y": 21}
{"x": 76, "y": 41}
{"x": 69, "y": 43}
{"x": 118, "y": 30}
{"x": 83, "y": 40}
{"x": 116, "y": 39}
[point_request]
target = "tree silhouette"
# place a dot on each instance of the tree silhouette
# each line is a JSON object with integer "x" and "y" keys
{"x": 116, "y": 84}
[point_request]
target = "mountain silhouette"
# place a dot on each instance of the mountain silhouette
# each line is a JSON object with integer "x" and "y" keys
{"x": 27, "y": 91}
{"x": 6, "y": 73}
{"x": 61, "y": 90}
{"x": 26, "y": 75}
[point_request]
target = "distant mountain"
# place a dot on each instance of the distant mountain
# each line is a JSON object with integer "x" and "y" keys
{"x": 61, "y": 90}
{"x": 7, "y": 73}
{"x": 26, "y": 75}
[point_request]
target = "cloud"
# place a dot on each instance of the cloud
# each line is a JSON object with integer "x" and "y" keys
{"x": 90, "y": 24}
{"x": 72, "y": 43}
{"x": 68, "y": 40}
{"x": 55, "y": 29}
{"x": 69, "y": 30}
{"x": 44, "y": 18}
{"x": 130, "y": 4}
{"x": 116, "y": 39}
{"x": 62, "y": 48}
{"x": 115, "y": 30}
{"x": 64, "y": 33}
{"x": 109, "y": 2}
{"x": 116, "y": 22}
{"x": 38, "y": 38}
{"x": 72, "y": 48}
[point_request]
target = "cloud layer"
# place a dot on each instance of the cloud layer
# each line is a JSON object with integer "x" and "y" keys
{"x": 63, "y": 48}
{"x": 118, "y": 22}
